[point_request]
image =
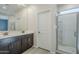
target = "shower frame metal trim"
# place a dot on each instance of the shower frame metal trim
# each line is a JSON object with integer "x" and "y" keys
{"x": 57, "y": 32}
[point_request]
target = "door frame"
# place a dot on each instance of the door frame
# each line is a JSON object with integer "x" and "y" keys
{"x": 57, "y": 33}
{"x": 42, "y": 11}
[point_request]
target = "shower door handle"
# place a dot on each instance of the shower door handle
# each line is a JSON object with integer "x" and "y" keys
{"x": 75, "y": 34}
{"x": 39, "y": 32}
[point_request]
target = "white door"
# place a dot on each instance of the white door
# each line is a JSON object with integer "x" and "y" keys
{"x": 44, "y": 35}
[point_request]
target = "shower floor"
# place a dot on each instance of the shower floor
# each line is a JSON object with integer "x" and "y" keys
{"x": 67, "y": 49}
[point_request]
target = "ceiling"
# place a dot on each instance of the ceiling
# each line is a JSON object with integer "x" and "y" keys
{"x": 10, "y": 9}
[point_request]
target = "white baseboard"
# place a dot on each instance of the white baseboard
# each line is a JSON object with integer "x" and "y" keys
{"x": 52, "y": 52}
{"x": 35, "y": 46}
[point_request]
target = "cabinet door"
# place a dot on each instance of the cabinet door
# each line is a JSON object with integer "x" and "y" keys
{"x": 4, "y": 50}
{"x": 4, "y": 44}
{"x": 24, "y": 43}
{"x": 30, "y": 40}
{"x": 15, "y": 46}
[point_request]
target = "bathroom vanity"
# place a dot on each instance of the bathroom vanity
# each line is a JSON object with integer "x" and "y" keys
{"x": 15, "y": 43}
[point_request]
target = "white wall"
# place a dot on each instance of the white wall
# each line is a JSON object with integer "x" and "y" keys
{"x": 32, "y": 22}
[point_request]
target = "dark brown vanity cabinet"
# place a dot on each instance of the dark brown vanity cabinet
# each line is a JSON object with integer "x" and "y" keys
{"x": 4, "y": 46}
{"x": 24, "y": 43}
{"x": 29, "y": 40}
{"x": 16, "y": 44}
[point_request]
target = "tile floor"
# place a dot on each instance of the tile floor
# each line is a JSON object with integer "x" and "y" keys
{"x": 36, "y": 51}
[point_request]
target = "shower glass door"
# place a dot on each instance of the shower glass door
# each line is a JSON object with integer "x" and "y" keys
{"x": 67, "y": 32}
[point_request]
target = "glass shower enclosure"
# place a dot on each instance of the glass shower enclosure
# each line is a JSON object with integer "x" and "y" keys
{"x": 67, "y": 31}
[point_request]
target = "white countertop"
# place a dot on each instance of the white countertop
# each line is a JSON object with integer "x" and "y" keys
{"x": 14, "y": 33}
